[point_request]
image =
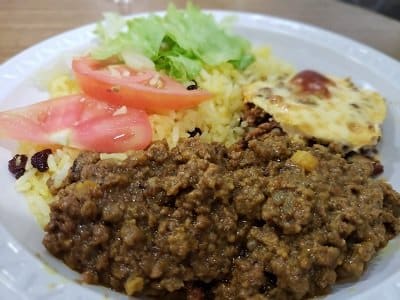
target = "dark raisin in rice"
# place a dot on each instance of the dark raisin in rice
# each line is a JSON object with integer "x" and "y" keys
{"x": 193, "y": 86}
{"x": 17, "y": 165}
{"x": 39, "y": 160}
{"x": 194, "y": 132}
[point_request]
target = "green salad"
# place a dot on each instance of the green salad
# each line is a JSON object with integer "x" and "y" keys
{"x": 180, "y": 43}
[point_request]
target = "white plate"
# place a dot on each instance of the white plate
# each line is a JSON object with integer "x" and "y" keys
{"x": 24, "y": 263}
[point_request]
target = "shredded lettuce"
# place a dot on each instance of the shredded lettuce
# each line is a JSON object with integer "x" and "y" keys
{"x": 180, "y": 43}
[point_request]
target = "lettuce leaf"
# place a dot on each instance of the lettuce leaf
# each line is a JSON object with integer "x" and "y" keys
{"x": 146, "y": 35}
{"x": 179, "y": 67}
{"x": 143, "y": 35}
{"x": 180, "y": 43}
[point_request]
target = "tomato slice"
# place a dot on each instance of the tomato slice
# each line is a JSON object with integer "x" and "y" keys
{"x": 121, "y": 85}
{"x": 78, "y": 121}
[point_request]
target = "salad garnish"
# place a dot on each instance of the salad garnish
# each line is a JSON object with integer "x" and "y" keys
{"x": 119, "y": 84}
{"x": 141, "y": 66}
{"x": 78, "y": 121}
{"x": 181, "y": 42}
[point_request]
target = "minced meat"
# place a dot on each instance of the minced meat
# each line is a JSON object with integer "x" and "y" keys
{"x": 205, "y": 221}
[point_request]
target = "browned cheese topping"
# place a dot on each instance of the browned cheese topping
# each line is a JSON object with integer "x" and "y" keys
{"x": 268, "y": 218}
{"x": 311, "y": 105}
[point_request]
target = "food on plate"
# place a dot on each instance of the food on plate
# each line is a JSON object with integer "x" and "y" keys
{"x": 236, "y": 223}
{"x": 78, "y": 121}
{"x": 181, "y": 42}
{"x": 332, "y": 110}
{"x": 183, "y": 164}
{"x": 118, "y": 84}
{"x": 17, "y": 165}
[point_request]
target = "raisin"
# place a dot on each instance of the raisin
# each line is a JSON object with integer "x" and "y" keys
{"x": 377, "y": 168}
{"x": 17, "y": 165}
{"x": 194, "y": 132}
{"x": 39, "y": 160}
{"x": 193, "y": 86}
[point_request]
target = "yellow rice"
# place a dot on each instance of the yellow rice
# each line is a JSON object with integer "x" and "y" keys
{"x": 33, "y": 184}
{"x": 218, "y": 120}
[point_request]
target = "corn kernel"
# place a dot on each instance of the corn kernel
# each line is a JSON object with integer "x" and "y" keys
{"x": 305, "y": 159}
{"x": 133, "y": 285}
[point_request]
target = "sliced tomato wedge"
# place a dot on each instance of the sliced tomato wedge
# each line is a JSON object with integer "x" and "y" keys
{"x": 121, "y": 85}
{"x": 78, "y": 121}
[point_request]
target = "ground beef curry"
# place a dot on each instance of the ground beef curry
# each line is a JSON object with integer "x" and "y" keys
{"x": 267, "y": 218}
